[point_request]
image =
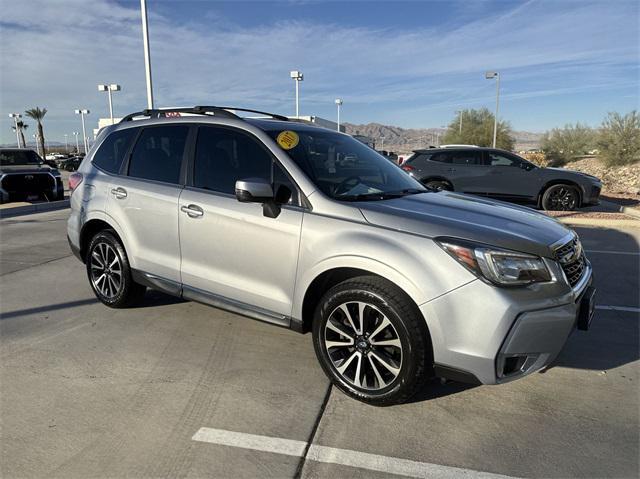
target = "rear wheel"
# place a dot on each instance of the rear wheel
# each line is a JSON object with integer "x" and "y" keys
{"x": 109, "y": 272}
{"x": 561, "y": 198}
{"x": 438, "y": 185}
{"x": 371, "y": 341}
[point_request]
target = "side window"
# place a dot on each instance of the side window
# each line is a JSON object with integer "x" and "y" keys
{"x": 441, "y": 158}
{"x": 112, "y": 150}
{"x": 468, "y": 158}
{"x": 158, "y": 153}
{"x": 496, "y": 159}
{"x": 224, "y": 156}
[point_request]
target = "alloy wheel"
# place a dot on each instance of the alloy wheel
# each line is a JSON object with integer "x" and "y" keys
{"x": 563, "y": 199}
{"x": 363, "y": 345}
{"x": 106, "y": 270}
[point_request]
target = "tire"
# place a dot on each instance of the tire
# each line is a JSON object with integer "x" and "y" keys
{"x": 561, "y": 197}
{"x": 358, "y": 367}
{"x": 438, "y": 185}
{"x": 105, "y": 257}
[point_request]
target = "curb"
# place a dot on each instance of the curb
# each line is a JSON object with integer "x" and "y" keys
{"x": 35, "y": 208}
{"x": 603, "y": 223}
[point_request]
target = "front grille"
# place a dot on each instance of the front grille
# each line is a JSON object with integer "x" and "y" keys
{"x": 28, "y": 183}
{"x": 572, "y": 260}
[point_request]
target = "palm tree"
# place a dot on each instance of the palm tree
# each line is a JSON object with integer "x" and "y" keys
{"x": 38, "y": 114}
{"x": 21, "y": 127}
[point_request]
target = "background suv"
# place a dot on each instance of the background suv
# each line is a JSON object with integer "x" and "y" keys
{"x": 310, "y": 229}
{"x": 24, "y": 176}
{"x": 502, "y": 175}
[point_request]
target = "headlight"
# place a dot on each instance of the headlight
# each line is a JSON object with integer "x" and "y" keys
{"x": 499, "y": 266}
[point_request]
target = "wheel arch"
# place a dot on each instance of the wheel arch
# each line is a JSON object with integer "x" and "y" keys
{"x": 93, "y": 226}
{"x": 436, "y": 178}
{"x": 332, "y": 274}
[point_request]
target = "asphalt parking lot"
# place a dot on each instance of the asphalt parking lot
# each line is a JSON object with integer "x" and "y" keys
{"x": 87, "y": 391}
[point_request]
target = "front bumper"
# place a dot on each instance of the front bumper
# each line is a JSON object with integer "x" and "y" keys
{"x": 493, "y": 335}
{"x": 591, "y": 195}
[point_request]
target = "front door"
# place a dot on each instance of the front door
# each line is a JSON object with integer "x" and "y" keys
{"x": 230, "y": 250}
{"x": 508, "y": 179}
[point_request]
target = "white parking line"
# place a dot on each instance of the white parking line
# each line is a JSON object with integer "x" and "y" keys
{"x": 602, "y": 251}
{"x": 628, "y": 309}
{"x": 344, "y": 457}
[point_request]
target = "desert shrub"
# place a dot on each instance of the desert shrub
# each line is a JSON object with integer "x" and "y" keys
{"x": 619, "y": 139}
{"x": 561, "y": 145}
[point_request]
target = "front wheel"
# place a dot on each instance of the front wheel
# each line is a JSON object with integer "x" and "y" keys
{"x": 109, "y": 272}
{"x": 560, "y": 198}
{"x": 372, "y": 341}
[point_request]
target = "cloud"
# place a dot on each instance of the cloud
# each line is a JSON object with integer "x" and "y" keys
{"x": 54, "y": 53}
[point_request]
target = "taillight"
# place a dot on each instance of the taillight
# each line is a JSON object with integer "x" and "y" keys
{"x": 407, "y": 167}
{"x": 74, "y": 180}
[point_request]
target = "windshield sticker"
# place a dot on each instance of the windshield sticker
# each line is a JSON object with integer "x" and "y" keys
{"x": 288, "y": 139}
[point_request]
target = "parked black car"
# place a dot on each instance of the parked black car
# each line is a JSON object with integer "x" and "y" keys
{"x": 502, "y": 175}
{"x": 70, "y": 164}
{"x": 25, "y": 176}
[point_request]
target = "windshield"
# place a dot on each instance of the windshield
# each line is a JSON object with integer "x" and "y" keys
{"x": 344, "y": 168}
{"x": 19, "y": 157}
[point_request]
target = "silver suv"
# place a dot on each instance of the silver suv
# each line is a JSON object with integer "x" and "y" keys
{"x": 312, "y": 230}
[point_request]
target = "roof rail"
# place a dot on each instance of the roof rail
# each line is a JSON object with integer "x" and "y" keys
{"x": 222, "y": 111}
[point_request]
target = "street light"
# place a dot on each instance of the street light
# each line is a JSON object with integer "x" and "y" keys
{"x": 460, "y": 112}
{"x": 82, "y": 113}
{"x": 490, "y": 76}
{"x": 382, "y": 143}
{"x": 66, "y": 143}
{"x": 339, "y": 104}
{"x": 147, "y": 55}
{"x": 15, "y": 117}
{"x": 75, "y": 133}
{"x": 35, "y": 139}
{"x": 109, "y": 89}
{"x": 298, "y": 77}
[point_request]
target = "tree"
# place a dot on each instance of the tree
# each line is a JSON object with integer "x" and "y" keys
{"x": 619, "y": 138}
{"x": 38, "y": 114}
{"x": 561, "y": 145}
{"x": 21, "y": 127}
{"x": 477, "y": 129}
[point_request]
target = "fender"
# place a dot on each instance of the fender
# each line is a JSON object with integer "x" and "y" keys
{"x": 103, "y": 216}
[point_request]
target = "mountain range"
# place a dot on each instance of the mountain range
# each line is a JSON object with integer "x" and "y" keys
{"x": 405, "y": 140}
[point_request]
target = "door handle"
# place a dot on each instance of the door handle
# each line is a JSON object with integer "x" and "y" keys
{"x": 119, "y": 193}
{"x": 192, "y": 211}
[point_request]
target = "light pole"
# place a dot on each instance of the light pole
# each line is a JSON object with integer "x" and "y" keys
{"x": 339, "y": 104}
{"x": 75, "y": 133}
{"x": 66, "y": 143}
{"x": 35, "y": 138}
{"x": 109, "y": 88}
{"x": 297, "y": 77}
{"x": 460, "y": 112}
{"x": 15, "y": 117}
{"x": 82, "y": 113}
{"x": 147, "y": 56}
{"x": 490, "y": 76}
{"x": 382, "y": 142}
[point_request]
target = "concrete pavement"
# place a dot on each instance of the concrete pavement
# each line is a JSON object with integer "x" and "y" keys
{"x": 87, "y": 391}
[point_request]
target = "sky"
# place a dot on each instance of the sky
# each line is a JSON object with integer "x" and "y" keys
{"x": 411, "y": 64}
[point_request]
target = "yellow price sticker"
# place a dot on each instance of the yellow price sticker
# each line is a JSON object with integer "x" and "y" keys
{"x": 288, "y": 139}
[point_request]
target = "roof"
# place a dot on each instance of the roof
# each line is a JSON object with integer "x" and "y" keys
{"x": 451, "y": 148}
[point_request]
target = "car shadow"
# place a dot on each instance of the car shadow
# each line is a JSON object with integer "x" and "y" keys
{"x": 437, "y": 388}
{"x": 157, "y": 298}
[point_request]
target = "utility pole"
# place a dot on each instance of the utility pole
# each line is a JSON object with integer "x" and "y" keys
{"x": 147, "y": 56}
{"x": 489, "y": 76}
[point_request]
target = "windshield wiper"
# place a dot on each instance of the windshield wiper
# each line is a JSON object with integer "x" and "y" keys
{"x": 382, "y": 195}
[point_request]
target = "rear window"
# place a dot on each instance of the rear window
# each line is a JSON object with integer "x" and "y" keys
{"x": 19, "y": 157}
{"x": 111, "y": 153}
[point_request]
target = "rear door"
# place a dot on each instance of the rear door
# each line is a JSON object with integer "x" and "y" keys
{"x": 466, "y": 171}
{"x": 230, "y": 250}
{"x": 143, "y": 200}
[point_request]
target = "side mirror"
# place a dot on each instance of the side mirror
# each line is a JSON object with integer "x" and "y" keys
{"x": 258, "y": 190}
{"x": 254, "y": 190}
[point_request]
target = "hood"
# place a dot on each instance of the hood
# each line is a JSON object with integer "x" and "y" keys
{"x": 26, "y": 169}
{"x": 443, "y": 213}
